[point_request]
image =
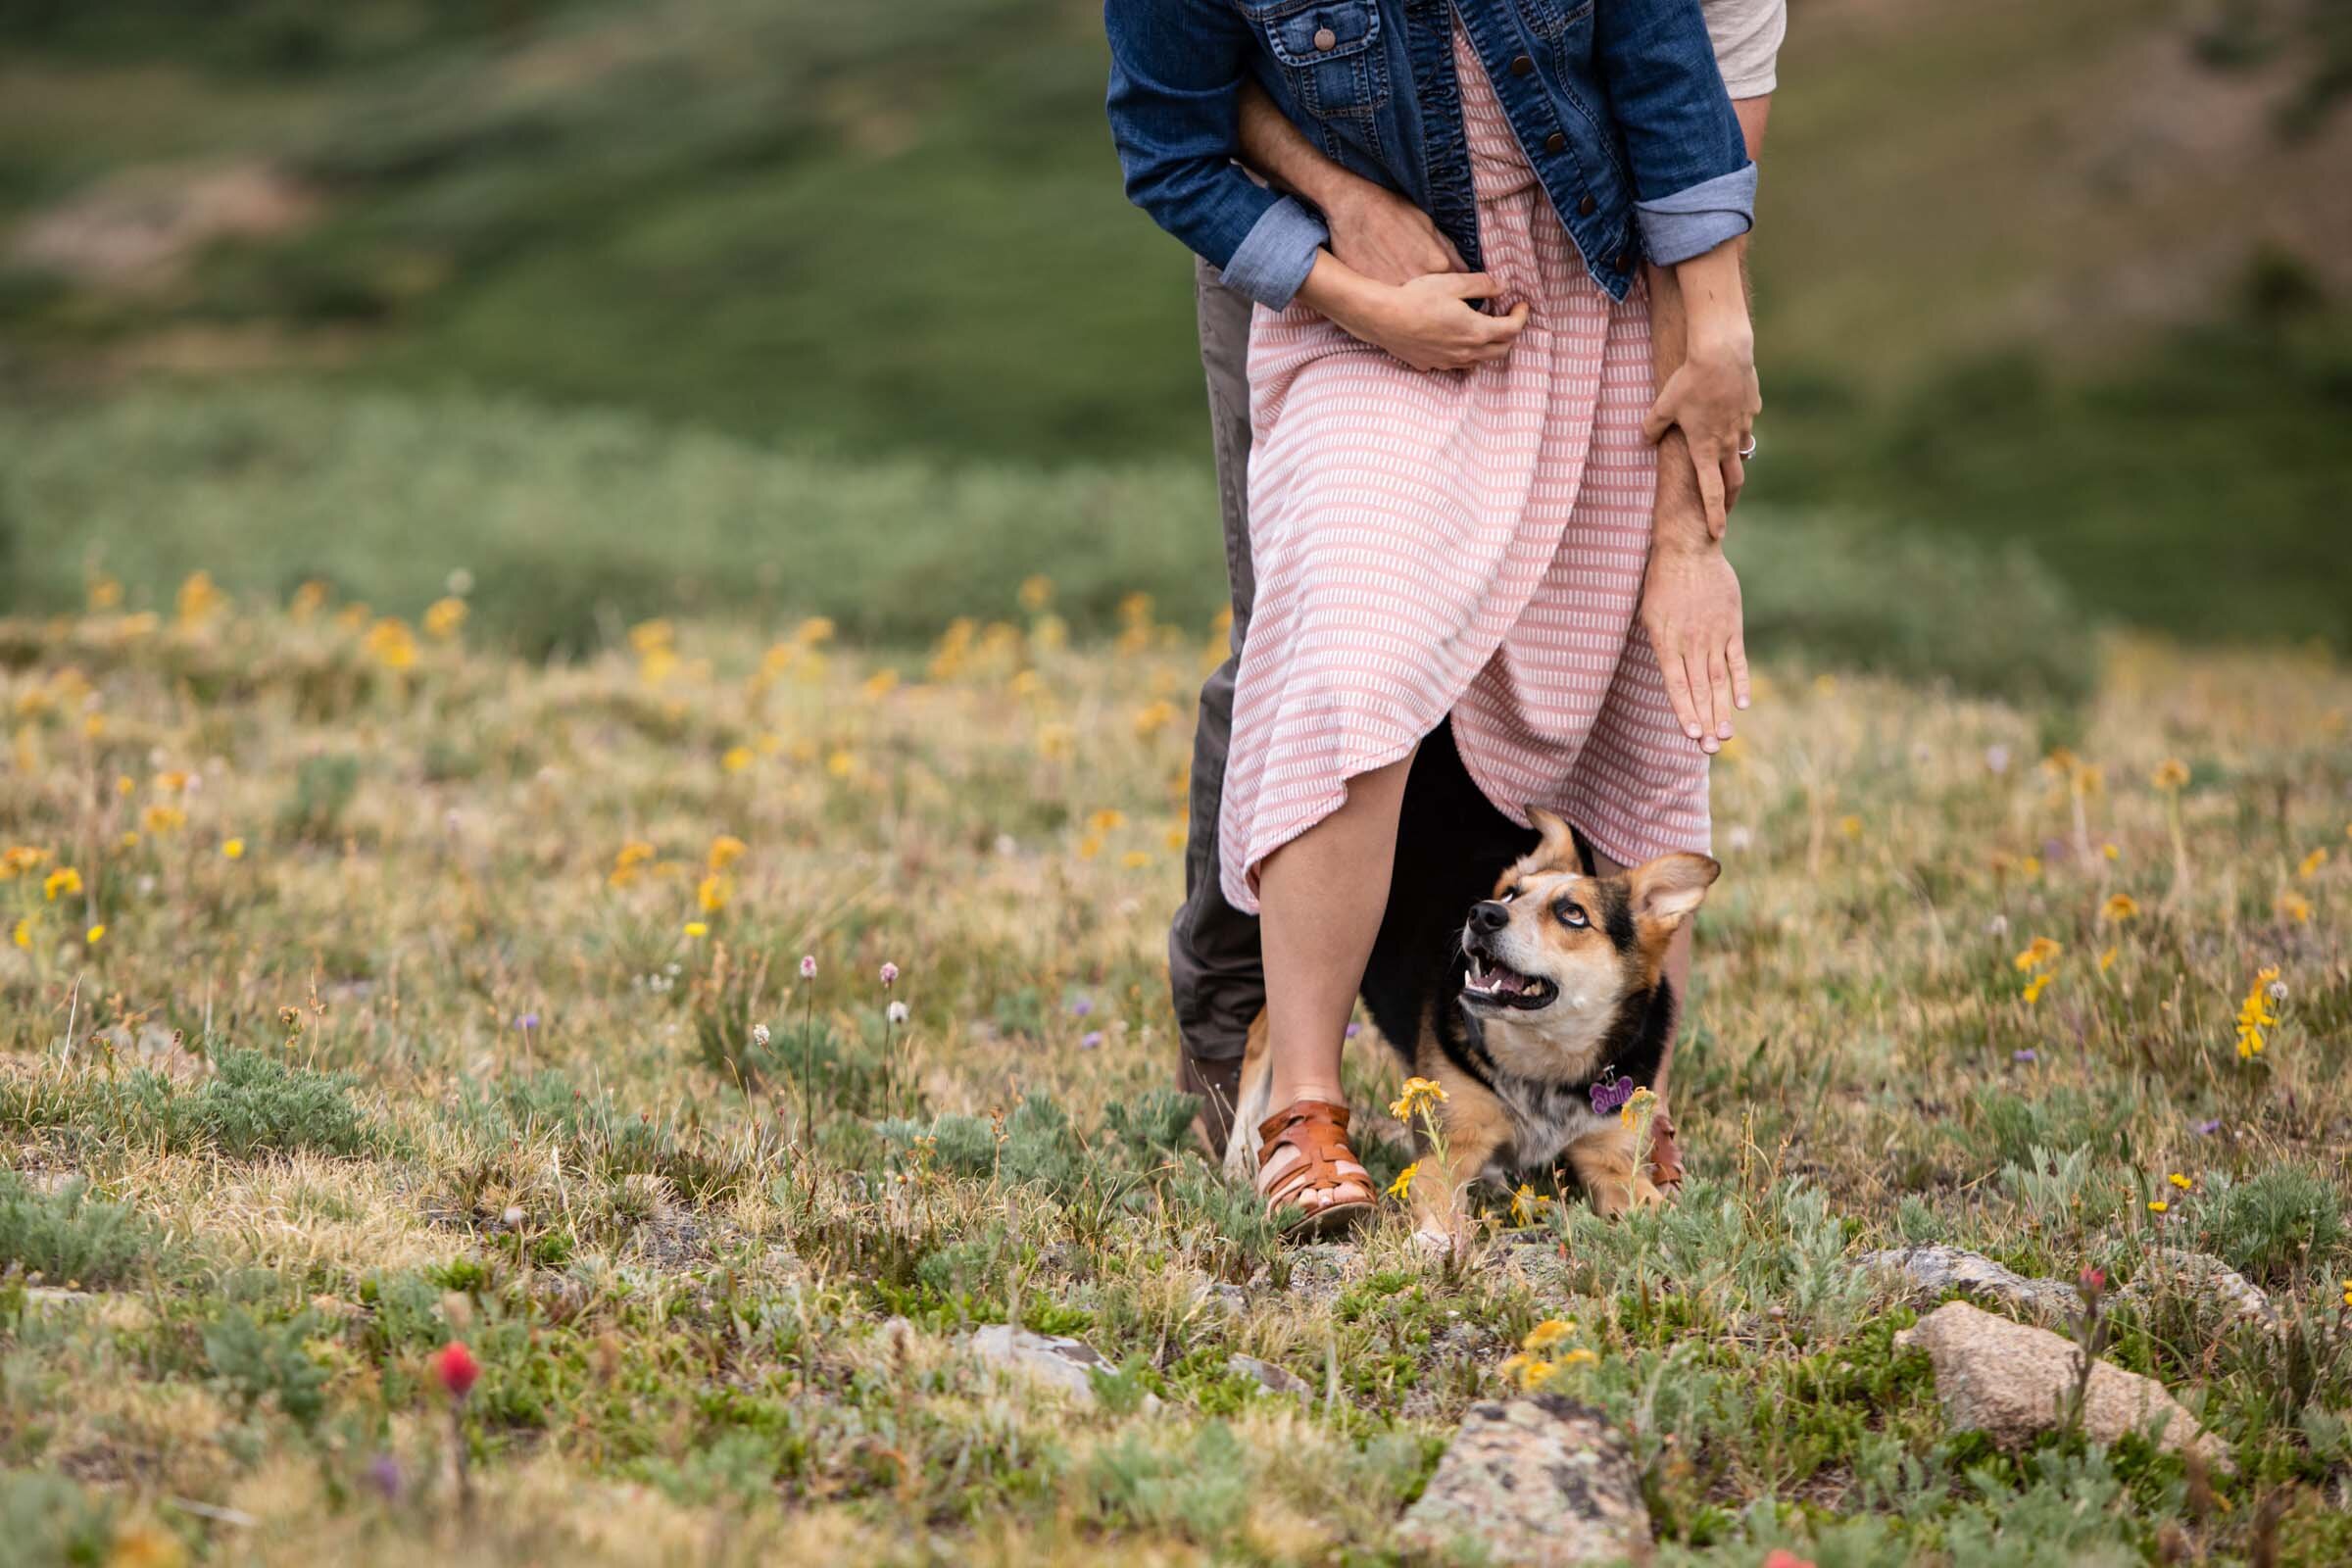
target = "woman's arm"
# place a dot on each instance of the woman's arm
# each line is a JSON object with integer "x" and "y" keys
{"x": 1176, "y": 71}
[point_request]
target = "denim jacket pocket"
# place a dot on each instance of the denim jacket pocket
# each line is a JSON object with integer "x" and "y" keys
{"x": 1331, "y": 52}
{"x": 1551, "y": 20}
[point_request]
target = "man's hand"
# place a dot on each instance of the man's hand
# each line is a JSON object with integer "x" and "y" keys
{"x": 1382, "y": 235}
{"x": 1690, "y": 608}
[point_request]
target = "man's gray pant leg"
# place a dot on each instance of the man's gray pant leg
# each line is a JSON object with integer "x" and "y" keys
{"x": 1214, "y": 967}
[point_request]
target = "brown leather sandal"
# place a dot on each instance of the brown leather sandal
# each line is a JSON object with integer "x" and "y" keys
{"x": 1323, "y": 1185}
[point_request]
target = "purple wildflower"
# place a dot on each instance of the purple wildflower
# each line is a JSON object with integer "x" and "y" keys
{"x": 527, "y": 1022}
{"x": 2028, "y": 1054}
{"x": 2206, "y": 1129}
{"x": 1091, "y": 1040}
{"x": 1352, "y": 1030}
{"x": 383, "y": 1474}
{"x": 1080, "y": 1006}
{"x": 890, "y": 975}
{"x": 808, "y": 966}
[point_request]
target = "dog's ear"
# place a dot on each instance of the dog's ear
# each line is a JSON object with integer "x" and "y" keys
{"x": 1558, "y": 846}
{"x": 1667, "y": 889}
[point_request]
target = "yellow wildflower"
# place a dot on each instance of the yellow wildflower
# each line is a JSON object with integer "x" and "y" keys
{"x": 880, "y": 684}
{"x": 309, "y": 600}
{"x": 1526, "y": 1204}
{"x": 2107, "y": 959}
{"x": 695, "y": 930}
{"x": 1090, "y": 846}
{"x": 842, "y": 763}
{"x": 1403, "y": 1182}
{"x": 2181, "y": 1181}
{"x": 2157, "y": 1205}
{"x": 1581, "y": 1356}
{"x": 2294, "y": 907}
{"x": 2119, "y": 907}
{"x": 443, "y": 617}
{"x": 19, "y": 859}
{"x": 2037, "y": 985}
{"x": 1637, "y": 1107}
{"x": 233, "y": 848}
{"x": 105, "y": 592}
{"x": 1529, "y": 1372}
{"x": 1107, "y": 820}
{"x": 1418, "y": 1094}
{"x": 630, "y": 861}
{"x": 1037, "y": 592}
{"x": 392, "y": 644}
{"x": 2254, "y": 1017}
{"x": 95, "y": 935}
{"x": 736, "y": 758}
{"x": 21, "y": 934}
{"x": 1153, "y": 718}
{"x": 2171, "y": 774}
{"x": 123, "y": 784}
{"x": 713, "y": 893}
{"x": 2039, "y": 954}
{"x": 160, "y": 819}
{"x": 1851, "y": 825}
{"x": 65, "y": 881}
{"x": 198, "y": 598}
{"x": 1546, "y": 1334}
{"x": 726, "y": 850}
{"x": 647, "y": 635}
{"x": 2111, "y": 852}
{"x": 1135, "y": 859}
{"x": 2312, "y": 864}
{"x": 816, "y": 629}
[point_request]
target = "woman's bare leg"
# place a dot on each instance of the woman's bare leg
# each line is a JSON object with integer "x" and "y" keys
{"x": 1320, "y": 902}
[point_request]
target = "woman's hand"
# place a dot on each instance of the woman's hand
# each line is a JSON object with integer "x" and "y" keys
{"x": 1713, "y": 395}
{"x": 1427, "y": 322}
{"x": 1691, "y": 608}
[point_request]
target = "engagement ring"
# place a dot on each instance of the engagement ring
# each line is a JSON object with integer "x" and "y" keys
{"x": 1748, "y": 451}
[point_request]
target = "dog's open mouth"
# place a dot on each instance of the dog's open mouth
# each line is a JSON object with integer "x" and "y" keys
{"x": 1494, "y": 983}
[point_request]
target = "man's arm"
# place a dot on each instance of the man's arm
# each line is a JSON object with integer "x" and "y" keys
{"x": 1373, "y": 229}
{"x": 1691, "y": 598}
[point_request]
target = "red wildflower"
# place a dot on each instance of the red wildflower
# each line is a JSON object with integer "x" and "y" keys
{"x": 1783, "y": 1557}
{"x": 454, "y": 1369}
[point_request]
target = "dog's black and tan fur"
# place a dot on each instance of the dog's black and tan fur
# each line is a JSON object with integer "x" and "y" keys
{"x": 1554, "y": 983}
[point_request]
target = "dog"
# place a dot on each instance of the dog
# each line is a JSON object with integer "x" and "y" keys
{"x": 1551, "y": 1008}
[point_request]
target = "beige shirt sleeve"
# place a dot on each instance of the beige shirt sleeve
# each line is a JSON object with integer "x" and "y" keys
{"x": 1747, "y": 37}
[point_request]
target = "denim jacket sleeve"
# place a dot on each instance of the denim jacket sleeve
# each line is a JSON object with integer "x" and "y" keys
{"x": 1694, "y": 185}
{"x": 1176, "y": 72}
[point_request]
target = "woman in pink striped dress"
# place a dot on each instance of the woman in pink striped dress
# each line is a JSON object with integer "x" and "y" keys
{"x": 1450, "y": 513}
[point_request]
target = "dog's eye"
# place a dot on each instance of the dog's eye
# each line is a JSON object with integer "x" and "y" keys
{"x": 1571, "y": 914}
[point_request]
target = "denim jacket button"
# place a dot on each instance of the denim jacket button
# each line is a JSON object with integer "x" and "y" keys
{"x": 1556, "y": 142}
{"x": 1325, "y": 38}
{"x": 1623, "y": 260}
{"x": 1585, "y": 208}
{"x": 1521, "y": 65}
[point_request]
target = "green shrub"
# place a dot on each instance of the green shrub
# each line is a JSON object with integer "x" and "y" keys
{"x": 258, "y": 1104}
{"x": 69, "y": 1238}
{"x": 2265, "y": 1226}
{"x": 255, "y": 1360}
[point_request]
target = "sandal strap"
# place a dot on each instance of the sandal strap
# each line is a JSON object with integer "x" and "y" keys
{"x": 1317, "y": 1130}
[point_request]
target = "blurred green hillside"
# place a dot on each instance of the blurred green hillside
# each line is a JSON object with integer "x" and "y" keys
{"x": 2064, "y": 274}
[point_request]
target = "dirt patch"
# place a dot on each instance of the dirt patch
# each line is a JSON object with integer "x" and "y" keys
{"x": 139, "y": 230}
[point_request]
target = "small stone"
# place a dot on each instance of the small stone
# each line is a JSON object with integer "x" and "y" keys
{"x": 1051, "y": 1359}
{"x": 2200, "y": 1274}
{"x": 1229, "y": 1299}
{"x": 1937, "y": 1271}
{"x": 1271, "y": 1378}
{"x": 2013, "y": 1381}
{"x": 1541, "y": 1482}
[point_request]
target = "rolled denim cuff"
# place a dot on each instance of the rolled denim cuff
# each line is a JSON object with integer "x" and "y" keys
{"x": 1695, "y": 219}
{"x": 1274, "y": 258}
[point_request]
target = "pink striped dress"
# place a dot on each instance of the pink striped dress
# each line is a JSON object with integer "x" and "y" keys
{"x": 1470, "y": 542}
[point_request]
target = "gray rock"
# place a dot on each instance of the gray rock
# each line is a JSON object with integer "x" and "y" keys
{"x": 1051, "y": 1359}
{"x": 1937, "y": 1271}
{"x": 1271, "y": 1378}
{"x": 2174, "y": 1268}
{"x": 1541, "y": 1482}
{"x": 1229, "y": 1299}
{"x": 1320, "y": 1270}
{"x": 2013, "y": 1381}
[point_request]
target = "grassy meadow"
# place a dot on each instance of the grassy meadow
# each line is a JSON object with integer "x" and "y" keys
{"x": 366, "y": 988}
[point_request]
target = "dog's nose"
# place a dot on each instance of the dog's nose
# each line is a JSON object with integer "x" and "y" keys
{"x": 1488, "y": 916}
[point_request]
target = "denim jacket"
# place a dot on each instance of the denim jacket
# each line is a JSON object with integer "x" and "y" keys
{"x": 1617, "y": 104}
